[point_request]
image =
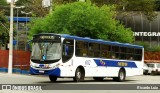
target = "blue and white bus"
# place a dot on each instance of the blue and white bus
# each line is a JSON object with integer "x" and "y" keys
{"x": 61, "y": 55}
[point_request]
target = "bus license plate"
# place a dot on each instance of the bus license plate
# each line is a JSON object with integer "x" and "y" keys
{"x": 41, "y": 71}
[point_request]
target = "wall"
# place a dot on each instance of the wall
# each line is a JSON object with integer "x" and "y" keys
{"x": 20, "y": 59}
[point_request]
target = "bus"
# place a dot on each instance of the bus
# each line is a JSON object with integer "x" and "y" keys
{"x": 67, "y": 56}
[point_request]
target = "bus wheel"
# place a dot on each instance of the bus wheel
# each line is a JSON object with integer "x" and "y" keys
{"x": 79, "y": 75}
{"x": 52, "y": 78}
{"x": 121, "y": 75}
{"x": 98, "y": 78}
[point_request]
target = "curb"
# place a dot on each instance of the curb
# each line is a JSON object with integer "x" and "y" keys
{"x": 15, "y": 70}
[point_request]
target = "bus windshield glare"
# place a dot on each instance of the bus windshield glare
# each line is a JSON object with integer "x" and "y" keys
{"x": 46, "y": 51}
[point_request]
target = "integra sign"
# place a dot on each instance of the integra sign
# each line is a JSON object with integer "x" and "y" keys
{"x": 146, "y": 33}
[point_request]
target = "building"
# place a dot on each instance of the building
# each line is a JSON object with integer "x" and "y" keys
{"x": 146, "y": 31}
{"x": 21, "y": 32}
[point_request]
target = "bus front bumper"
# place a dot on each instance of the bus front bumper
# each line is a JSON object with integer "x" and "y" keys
{"x": 54, "y": 72}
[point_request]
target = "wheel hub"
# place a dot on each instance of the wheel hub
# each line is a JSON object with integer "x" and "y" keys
{"x": 121, "y": 76}
{"x": 79, "y": 75}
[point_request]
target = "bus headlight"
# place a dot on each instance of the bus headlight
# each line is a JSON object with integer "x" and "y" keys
{"x": 55, "y": 66}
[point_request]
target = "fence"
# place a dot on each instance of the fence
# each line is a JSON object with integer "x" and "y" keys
{"x": 152, "y": 57}
{"x": 20, "y": 59}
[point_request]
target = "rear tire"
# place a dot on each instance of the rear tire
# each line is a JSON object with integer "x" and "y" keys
{"x": 79, "y": 75}
{"x": 52, "y": 78}
{"x": 121, "y": 76}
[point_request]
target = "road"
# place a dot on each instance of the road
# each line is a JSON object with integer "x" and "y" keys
{"x": 66, "y": 82}
{"x": 40, "y": 79}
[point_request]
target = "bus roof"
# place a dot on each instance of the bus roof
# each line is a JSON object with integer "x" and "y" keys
{"x": 100, "y": 41}
{"x": 94, "y": 40}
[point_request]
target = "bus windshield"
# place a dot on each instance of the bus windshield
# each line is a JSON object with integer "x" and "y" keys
{"x": 46, "y": 51}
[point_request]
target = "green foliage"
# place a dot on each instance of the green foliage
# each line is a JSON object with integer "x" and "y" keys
{"x": 34, "y": 6}
{"x": 147, "y": 7}
{"x": 37, "y": 25}
{"x": 155, "y": 49}
{"x": 144, "y": 44}
{"x": 147, "y": 47}
{"x": 3, "y": 2}
{"x": 4, "y": 25}
{"x": 4, "y": 33}
{"x": 83, "y": 19}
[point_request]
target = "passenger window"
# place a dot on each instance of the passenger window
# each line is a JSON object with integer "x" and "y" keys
{"x": 94, "y": 50}
{"x": 81, "y": 48}
{"x": 115, "y": 52}
{"x": 138, "y": 54}
{"x": 105, "y": 51}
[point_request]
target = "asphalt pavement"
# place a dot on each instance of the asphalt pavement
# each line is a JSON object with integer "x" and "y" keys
{"x": 87, "y": 86}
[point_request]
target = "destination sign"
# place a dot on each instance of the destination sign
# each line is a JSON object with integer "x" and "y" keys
{"x": 47, "y": 37}
{"x": 44, "y": 37}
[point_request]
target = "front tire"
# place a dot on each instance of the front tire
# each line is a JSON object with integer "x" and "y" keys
{"x": 52, "y": 78}
{"x": 79, "y": 75}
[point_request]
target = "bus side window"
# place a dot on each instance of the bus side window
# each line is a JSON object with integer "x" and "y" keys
{"x": 105, "y": 51}
{"x": 81, "y": 48}
{"x": 68, "y": 49}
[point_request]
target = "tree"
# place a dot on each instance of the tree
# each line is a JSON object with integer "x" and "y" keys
{"x": 146, "y": 7}
{"x": 34, "y": 6}
{"x": 3, "y": 2}
{"x": 4, "y": 25}
{"x": 83, "y": 19}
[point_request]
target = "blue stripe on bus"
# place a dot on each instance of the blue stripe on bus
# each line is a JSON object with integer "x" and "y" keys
{"x": 115, "y": 63}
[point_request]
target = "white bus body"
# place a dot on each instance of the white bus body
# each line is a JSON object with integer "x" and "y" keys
{"x": 81, "y": 66}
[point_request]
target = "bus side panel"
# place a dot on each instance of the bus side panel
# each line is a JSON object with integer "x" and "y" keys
{"x": 135, "y": 71}
{"x": 103, "y": 71}
{"x": 92, "y": 69}
{"x": 88, "y": 64}
{"x": 67, "y": 71}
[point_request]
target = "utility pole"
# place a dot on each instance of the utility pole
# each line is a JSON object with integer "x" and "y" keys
{"x": 11, "y": 39}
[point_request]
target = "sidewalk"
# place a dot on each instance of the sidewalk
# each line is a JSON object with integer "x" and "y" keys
{"x": 15, "y": 78}
{"x": 15, "y": 70}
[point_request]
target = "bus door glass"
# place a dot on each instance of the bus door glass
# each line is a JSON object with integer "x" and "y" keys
{"x": 68, "y": 49}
